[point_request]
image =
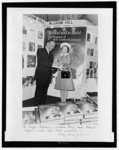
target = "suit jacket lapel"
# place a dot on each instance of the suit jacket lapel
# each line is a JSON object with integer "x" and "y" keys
{"x": 47, "y": 53}
{"x": 50, "y": 56}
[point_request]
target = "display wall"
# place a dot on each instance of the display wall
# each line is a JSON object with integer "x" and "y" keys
{"x": 32, "y": 39}
{"x": 91, "y": 56}
{"x": 81, "y": 34}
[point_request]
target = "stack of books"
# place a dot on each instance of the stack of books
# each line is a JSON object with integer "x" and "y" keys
{"x": 71, "y": 113}
{"x": 50, "y": 114}
{"x": 28, "y": 115}
{"x": 90, "y": 112}
{"x": 81, "y": 112}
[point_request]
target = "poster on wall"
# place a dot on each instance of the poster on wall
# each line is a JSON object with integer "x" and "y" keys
{"x": 31, "y": 61}
{"x": 88, "y": 37}
{"x": 31, "y": 46}
{"x": 72, "y": 35}
{"x": 40, "y": 35}
{"x": 28, "y": 80}
{"x": 92, "y": 52}
{"x": 22, "y": 61}
{"x": 91, "y": 70}
{"x": 24, "y": 30}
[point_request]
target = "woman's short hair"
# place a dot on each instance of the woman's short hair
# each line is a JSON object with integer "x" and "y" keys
{"x": 67, "y": 48}
{"x": 66, "y": 45}
{"x": 48, "y": 41}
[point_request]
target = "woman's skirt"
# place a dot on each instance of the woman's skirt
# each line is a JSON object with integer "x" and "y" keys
{"x": 64, "y": 83}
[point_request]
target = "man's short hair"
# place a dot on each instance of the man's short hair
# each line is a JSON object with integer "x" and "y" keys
{"x": 51, "y": 40}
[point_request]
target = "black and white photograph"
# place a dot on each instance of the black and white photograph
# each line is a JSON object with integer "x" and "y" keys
{"x": 27, "y": 81}
{"x": 92, "y": 52}
{"x": 24, "y": 30}
{"x": 40, "y": 35}
{"x": 22, "y": 61}
{"x": 31, "y": 61}
{"x": 57, "y": 94}
{"x": 65, "y": 93}
{"x": 31, "y": 46}
{"x": 88, "y": 37}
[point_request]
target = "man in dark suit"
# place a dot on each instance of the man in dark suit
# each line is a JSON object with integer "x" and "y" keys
{"x": 43, "y": 74}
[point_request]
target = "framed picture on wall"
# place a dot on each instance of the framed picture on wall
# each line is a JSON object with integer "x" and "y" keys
{"x": 88, "y": 37}
{"x": 31, "y": 46}
{"x": 95, "y": 72}
{"x": 87, "y": 73}
{"x": 28, "y": 80}
{"x": 24, "y": 30}
{"x": 92, "y": 52}
{"x": 40, "y": 35}
{"x": 22, "y": 61}
{"x": 91, "y": 73}
{"x": 90, "y": 64}
{"x": 31, "y": 61}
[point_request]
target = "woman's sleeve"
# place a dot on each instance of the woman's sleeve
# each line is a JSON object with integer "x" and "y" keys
{"x": 69, "y": 61}
{"x": 59, "y": 61}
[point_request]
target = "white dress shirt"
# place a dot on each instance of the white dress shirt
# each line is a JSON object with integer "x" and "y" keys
{"x": 47, "y": 50}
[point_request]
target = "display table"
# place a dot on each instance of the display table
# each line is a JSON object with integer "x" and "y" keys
{"x": 61, "y": 113}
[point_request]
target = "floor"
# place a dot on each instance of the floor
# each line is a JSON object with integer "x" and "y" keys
{"x": 50, "y": 100}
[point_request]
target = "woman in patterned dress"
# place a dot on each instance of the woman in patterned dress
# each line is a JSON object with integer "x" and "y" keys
{"x": 64, "y": 62}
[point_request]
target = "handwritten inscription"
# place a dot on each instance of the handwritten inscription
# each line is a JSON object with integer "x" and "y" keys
{"x": 60, "y": 130}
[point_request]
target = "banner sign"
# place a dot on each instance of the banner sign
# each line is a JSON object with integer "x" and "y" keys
{"x": 68, "y": 34}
